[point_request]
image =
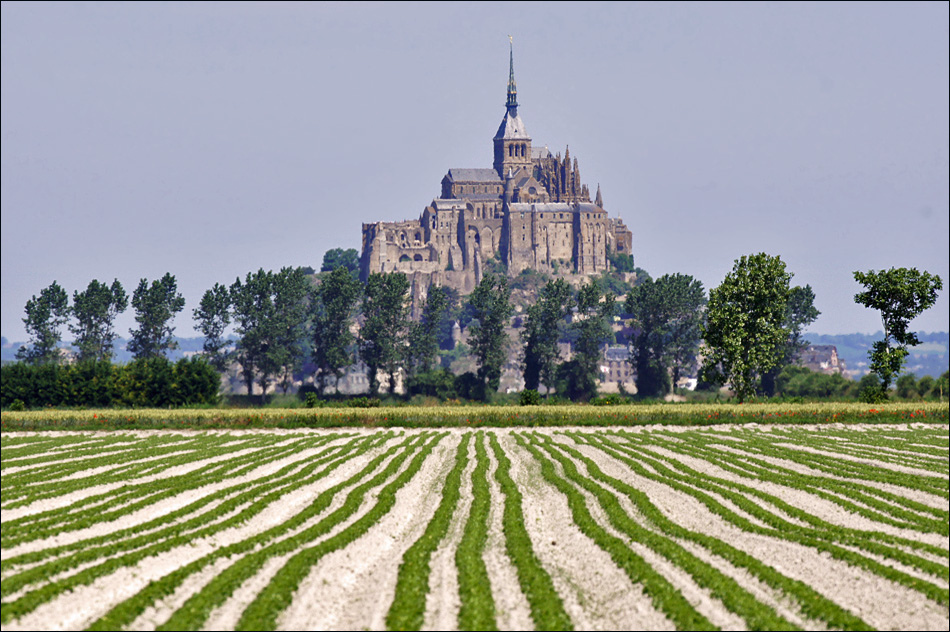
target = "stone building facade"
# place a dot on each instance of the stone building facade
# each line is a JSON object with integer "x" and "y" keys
{"x": 529, "y": 211}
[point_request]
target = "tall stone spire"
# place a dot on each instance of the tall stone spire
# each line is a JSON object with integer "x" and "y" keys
{"x": 512, "y": 103}
{"x": 512, "y": 143}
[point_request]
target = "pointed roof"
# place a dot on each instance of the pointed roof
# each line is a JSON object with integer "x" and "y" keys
{"x": 512, "y": 127}
{"x": 512, "y": 102}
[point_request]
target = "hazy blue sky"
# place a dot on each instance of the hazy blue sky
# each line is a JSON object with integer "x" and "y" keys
{"x": 209, "y": 140}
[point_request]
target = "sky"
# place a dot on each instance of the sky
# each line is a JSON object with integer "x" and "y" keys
{"x": 211, "y": 140}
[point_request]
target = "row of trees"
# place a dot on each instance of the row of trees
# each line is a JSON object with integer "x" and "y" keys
{"x": 754, "y": 322}
{"x": 93, "y": 312}
{"x": 751, "y": 324}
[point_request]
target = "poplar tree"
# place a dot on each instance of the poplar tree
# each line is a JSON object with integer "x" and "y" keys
{"x": 333, "y": 304}
{"x": 491, "y": 307}
{"x": 540, "y": 334}
{"x": 666, "y": 317}
{"x": 212, "y": 317}
{"x": 155, "y": 307}
{"x": 95, "y": 310}
{"x": 383, "y": 334}
{"x": 424, "y": 334}
{"x": 745, "y": 330}
{"x": 45, "y": 315}
{"x": 900, "y": 294}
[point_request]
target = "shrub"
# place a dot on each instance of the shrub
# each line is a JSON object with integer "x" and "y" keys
{"x": 530, "y": 397}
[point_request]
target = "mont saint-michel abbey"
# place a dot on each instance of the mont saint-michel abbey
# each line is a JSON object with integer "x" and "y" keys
{"x": 530, "y": 210}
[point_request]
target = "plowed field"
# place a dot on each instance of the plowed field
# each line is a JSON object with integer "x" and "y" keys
{"x": 749, "y": 527}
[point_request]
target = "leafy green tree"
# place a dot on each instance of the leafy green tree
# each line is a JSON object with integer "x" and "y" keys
{"x": 212, "y": 317}
{"x": 900, "y": 294}
{"x": 340, "y": 258}
{"x": 540, "y": 333}
{"x": 333, "y": 304}
{"x": 95, "y": 310}
{"x": 619, "y": 261}
{"x": 45, "y": 315}
{"x": 491, "y": 306}
{"x": 270, "y": 312}
{"x": 745, "y": 330}
{"x": 383, "y": 335}
{"x": 424, "y": 334}
{"x": 667, "y": 317}
{"x": 155, "y": 307}
{"x": 285, "y": 355}
{"x": 252, "y": 302}
{"x": 906, "y": 386}
{"x": 595, "y": 309}
{"x": 800, "y": 311}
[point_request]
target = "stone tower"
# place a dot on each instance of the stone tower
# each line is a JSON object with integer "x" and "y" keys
{"x": 512, "y": 143}
{"x": 529, "y": 211}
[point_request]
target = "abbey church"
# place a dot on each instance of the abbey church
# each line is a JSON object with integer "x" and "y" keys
{"x": 529, "y": 211}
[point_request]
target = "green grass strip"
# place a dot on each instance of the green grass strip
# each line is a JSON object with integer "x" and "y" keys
{"x": 30, "y": 601}
{"x": 811, "y": 603}
{"x": 547, "y": 609}
{"x": 778, "y": 527}
{"x": 735, "y": 598}
{"x": 262, "y": 613}
{"x": 477, "y": 610}
{"x": 664, "y": 595}
{"x": 255, "y": 494}
{"x": 412, "y": 583}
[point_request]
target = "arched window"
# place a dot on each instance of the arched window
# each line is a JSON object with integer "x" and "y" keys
{"x": 404, "y": 259}
{"x": 418, "y": 257}
{"x": 511, "y": 150}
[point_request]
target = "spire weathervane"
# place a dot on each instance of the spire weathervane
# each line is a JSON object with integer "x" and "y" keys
{"x": 512, "y": 103}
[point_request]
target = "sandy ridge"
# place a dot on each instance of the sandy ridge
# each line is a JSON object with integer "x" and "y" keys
{"x": 916, "y": 495}
{"x": 84, "y": 604}
{"x": 356, "y": 585}
{"x": 165, "y": 506}
{"x": 597, "y": 594}
{"x": 820, "y": 507}
{"x": 880, "y": 602}
{"x": 360, "y": 579}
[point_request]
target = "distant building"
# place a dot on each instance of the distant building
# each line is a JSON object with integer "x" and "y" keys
{"x": 822, "y": 359}
{"x": 529, "y": 210}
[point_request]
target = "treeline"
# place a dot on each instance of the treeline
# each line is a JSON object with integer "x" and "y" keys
{"x": 751, "y": 326}
{"x": 145, "y": 383}
{"x": 796, "y": 382}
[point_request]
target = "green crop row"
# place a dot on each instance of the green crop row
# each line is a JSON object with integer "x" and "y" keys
{"x": 262, "y": 612}
{"x": 111, "y": 562}
{"x": 604, "y": 476}
{"x": 871, "y": 502}
{"x": 197, "y": 608}
{"x": 114, "y": 504}
{"x": 412, "y": 583}
{"x": 547, "y": 609}
{"x": 692, "y": 482}
{"x": 811, "y": 603}
{"x": 477, "y": 609}
{"x": 244, "y": 501}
